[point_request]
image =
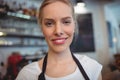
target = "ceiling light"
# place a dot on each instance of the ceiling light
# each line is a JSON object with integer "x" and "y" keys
{"x": 80, "y": 3}
{"x": 80, "y": 7}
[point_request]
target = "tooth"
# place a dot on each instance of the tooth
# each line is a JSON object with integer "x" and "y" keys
{"x": 59, "y": 40}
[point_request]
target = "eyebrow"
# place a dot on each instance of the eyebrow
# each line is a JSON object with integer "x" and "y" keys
{"x": 66, "y": 18}
{"x": 62, "y": 18}
{"x": 48, "y": 19}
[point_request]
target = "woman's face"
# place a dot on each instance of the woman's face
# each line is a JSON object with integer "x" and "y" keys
{"x": 58, "y": 26}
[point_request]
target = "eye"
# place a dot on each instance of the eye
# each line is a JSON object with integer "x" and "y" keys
{"x": 66, "y": 22}
{"x": 49, "y": 23}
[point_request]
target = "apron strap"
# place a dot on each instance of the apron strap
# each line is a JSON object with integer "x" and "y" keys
{"x": 44, "y": 64}
{"x": 42, "y": 76}
{"x": 80, "y": 68}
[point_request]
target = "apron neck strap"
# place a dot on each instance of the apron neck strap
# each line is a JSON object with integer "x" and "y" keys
{"x": 42, "y": 76}
{"x": 44, "y": 64}
{"x": 80, "y": 68}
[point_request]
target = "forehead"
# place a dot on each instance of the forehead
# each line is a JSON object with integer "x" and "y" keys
{"x": 57, "y": 9}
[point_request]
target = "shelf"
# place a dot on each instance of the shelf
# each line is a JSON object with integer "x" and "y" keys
{"x": 23, "y": 36}
{"x": 13, "y": 40}
{"x": 14, "y": 36}
{"x": 22, "y": 45}
{"x": 20, "y": 16}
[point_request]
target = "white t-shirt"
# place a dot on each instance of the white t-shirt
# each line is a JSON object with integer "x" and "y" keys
{"x": 91, "y": 67}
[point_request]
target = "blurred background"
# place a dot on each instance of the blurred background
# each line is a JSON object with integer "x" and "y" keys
{"x": 22, "y": 42}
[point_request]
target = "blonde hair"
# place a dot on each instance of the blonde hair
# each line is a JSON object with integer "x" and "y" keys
{"x": 47, "y": 2}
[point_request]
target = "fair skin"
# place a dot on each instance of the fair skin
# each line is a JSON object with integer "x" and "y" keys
{"x": 58, "y": 29}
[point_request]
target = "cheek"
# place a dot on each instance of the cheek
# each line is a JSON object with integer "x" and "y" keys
{"x": 71, "y": 30}
{"x": 46, "y": 32}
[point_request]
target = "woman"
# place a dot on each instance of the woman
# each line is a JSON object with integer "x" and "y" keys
{"x": 57, "y": 21}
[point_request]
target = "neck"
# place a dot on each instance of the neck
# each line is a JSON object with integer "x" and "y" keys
{"x": 60, "y": 56}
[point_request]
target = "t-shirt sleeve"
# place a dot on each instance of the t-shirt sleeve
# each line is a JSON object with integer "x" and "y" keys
{"x": 95, "y": 70}
{"x": 92, "y": 67}
{"x": 29, "y": 72}
{"x": 23, "y": 75}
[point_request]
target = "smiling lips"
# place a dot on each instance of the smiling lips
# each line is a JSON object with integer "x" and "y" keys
{"x": 59, "y": 41}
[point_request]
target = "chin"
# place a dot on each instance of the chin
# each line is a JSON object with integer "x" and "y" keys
{"x": 59, "y": 49}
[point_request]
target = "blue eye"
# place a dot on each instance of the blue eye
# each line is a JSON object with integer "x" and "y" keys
{"x": 49, "y": 23}
{"x": 66, "y": 22}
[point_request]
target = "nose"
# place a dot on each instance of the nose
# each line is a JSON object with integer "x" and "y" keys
{"x": 58, "y": 29}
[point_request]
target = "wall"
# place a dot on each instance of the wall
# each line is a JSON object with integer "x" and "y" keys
{"x": 103, "y": 12}
{"x": 102, "y": 52}
{"x": 110, "y": 17}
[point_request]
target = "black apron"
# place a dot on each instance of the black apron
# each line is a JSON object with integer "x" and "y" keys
{"x": 42, "y": 76}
